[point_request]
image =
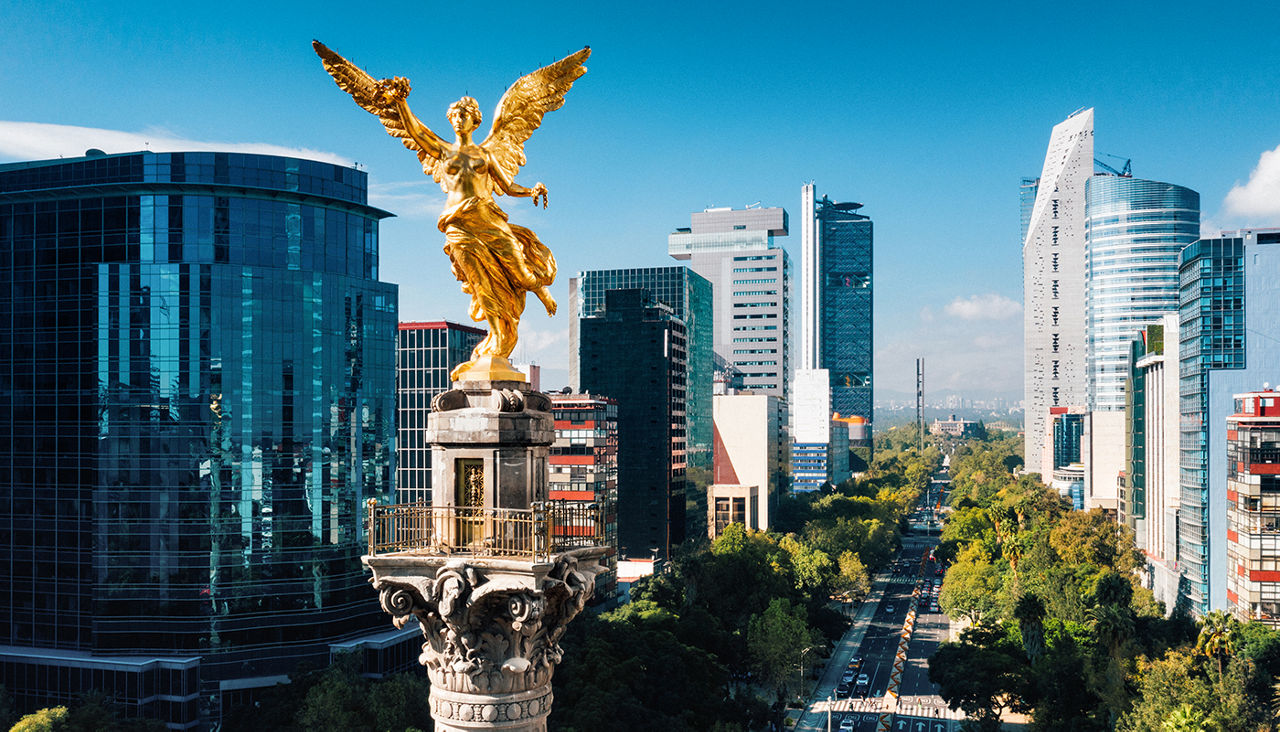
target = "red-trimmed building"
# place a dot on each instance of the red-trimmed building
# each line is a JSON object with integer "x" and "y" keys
{"x": 584, "y": 468}
{"x": 1253, "y": 507}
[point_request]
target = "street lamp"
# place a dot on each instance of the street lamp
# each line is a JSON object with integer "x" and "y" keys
{"x": 806, "y": 650}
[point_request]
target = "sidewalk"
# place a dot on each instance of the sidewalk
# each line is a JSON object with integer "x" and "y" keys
{"x": 815, "y": 720}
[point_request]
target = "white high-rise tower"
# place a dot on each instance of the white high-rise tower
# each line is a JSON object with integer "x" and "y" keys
{"x": 1053, "y": 289}
{"x": 810, "y": 283}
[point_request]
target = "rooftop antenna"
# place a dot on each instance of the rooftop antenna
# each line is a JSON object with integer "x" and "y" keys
{"x": 920, "y": 400}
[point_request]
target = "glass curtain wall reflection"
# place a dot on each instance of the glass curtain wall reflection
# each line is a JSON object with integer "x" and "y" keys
{"x": 689, "y": 297}
{"x": 197, "y": 396}
{"x": 1134, "y": 231}
{"x": 425, "y": 354}
{"x": 1212, "y": 330}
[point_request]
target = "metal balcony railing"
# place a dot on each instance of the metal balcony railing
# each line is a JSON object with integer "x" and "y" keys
{"x": 529, "y": 534}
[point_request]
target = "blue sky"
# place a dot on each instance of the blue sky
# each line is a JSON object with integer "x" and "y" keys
{"x": 928, "y": 113}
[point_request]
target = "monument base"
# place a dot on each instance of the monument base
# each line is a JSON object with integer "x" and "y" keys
{"x": 489, "y": 445}
{"x": 486, "y": 368}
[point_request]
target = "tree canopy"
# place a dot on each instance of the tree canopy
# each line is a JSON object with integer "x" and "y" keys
{"x": 1059, "y": 597}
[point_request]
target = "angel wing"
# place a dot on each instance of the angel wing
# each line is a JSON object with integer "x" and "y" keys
{"x": 365, "y": 90}
{"x": 521, "y": 109}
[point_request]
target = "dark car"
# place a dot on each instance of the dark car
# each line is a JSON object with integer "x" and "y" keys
{"x": 842, "y": 690}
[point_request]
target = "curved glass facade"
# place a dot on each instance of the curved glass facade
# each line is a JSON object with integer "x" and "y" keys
{"x": 197, "y": 395}
{"x": 1134, "y": 232}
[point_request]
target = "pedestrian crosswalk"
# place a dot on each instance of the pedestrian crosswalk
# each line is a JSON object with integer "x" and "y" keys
{"x": 856, "y": 704}
{"x": 927, "y": 711}
{"x": 912, "y": 707}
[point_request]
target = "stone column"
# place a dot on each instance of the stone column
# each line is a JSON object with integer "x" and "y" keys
{"x": 490, "y": 591}
{"x": 492, "y": 630}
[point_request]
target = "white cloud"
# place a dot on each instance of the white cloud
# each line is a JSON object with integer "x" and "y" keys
{"x": 40, "y": 141}
{"x": 542, "y": 346}
{"x": 989, "y": 306}
{"x": 1210, "y": 227}
{"x": 547, "y": 348}
{"x": 1259, "y": 199}
{"x": 408, "y": 199}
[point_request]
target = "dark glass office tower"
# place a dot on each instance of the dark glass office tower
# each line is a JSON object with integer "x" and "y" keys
{"x": 197, "y": 397}
{"x": 1212, "y": 333}
{"x": 846, "y": 307}
{"x": 635, "y": 350}
{"x": 689, "y": 296}
{"x": 425, "y": 354}
{"x": 836, "y": 301}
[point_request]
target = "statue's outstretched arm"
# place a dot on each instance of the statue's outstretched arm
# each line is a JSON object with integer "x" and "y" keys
{"x": 512, "y": 188}
{"x": 429, "y": 141}
{"x": 386, "y": 99}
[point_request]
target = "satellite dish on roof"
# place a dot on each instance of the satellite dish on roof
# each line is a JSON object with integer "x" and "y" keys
{"x": 94, "y": 152}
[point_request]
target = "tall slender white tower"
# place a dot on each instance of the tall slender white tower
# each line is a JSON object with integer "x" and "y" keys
{"x": 810, "y": 282}
{"x": 1053, "y": 288}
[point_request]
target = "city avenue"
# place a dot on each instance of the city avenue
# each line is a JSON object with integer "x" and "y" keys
{"x": 874, "y": 638}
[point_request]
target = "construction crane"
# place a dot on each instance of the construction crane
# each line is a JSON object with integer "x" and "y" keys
{"x": 1125, "y": 172}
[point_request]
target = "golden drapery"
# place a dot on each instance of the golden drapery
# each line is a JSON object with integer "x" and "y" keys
{"x": 497, "y": 262}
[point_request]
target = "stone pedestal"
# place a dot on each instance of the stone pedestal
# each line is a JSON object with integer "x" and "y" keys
{"x": 487, "y": 583}
{"x": 489, "y": 443}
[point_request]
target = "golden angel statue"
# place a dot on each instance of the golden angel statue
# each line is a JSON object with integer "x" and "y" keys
{"x": 496, "y": 261}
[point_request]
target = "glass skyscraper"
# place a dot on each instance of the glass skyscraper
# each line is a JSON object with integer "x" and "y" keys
{"x": 1229, "y": 305}
{"x": 1134, "y": 230}
{"x": 688, "y": 294}
{"x": 425, "y": 354}
{"x": 196, "y": 399}
{"x": 635, "y": 351}
{"x": 836, "y": 300}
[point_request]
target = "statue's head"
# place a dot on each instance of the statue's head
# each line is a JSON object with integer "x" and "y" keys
{"x": 464, "y": 114}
